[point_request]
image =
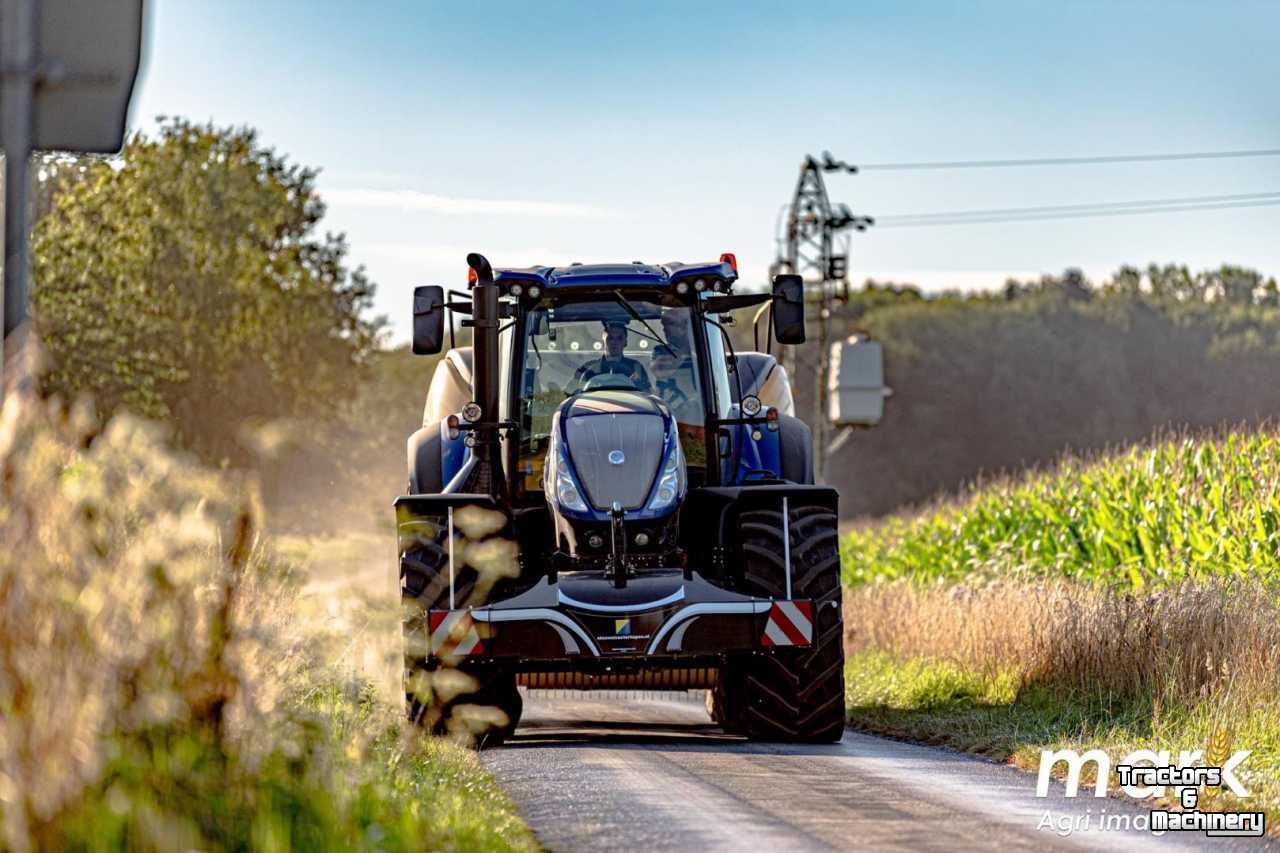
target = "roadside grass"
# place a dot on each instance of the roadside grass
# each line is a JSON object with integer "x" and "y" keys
{"x": 942, "y": 704}
{"x": 162, "y": 685}
{"x": 1124, "y": 602}
{"x": 350, "y": 779}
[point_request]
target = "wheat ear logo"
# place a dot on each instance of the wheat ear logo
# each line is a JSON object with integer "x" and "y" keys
{"x": 1216, "y": 753}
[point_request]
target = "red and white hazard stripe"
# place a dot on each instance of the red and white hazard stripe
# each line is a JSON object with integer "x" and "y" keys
{"x": 453, "y": 632}
{"x": 790, "y": 623}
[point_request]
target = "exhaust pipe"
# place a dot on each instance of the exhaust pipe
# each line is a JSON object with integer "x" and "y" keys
{"x": 487, "y": 477}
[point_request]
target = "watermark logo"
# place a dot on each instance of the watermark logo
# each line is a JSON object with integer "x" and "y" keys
{"x": 1147, "y": 774}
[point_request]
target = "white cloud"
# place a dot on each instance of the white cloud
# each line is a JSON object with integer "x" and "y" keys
{"x": 928, "y": 280}
{"x": 413, "y": 200}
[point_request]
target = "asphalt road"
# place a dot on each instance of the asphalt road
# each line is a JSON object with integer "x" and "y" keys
{"x": 645, "y": 772}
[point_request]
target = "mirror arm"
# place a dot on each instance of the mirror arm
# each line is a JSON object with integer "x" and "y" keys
{"x": 755, "y": 323}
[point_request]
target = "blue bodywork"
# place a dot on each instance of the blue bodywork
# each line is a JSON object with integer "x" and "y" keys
{"x": 669, "y": 439}
{"x": 614, "y": 275}
{"x": 454, "y": 454}
{"x": 753, "y": 460}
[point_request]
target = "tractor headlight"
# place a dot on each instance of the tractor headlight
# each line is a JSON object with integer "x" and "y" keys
{"x": 670, "y": 482}
{"x": 560, "y": 483}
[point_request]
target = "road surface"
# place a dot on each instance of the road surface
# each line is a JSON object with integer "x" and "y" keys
{"x": 646, "y": 771}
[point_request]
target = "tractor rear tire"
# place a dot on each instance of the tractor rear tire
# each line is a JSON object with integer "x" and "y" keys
{"x": 791, "y": 694}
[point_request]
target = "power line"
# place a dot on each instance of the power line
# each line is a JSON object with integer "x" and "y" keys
{"x": 1035, "y": 216}
{"x": 1094, "y": 205}
{"x": 1070, "y": 161}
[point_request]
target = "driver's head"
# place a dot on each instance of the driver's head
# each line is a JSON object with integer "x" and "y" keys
{"x": 675, "y": 328}
{"x": 615, "y": 339}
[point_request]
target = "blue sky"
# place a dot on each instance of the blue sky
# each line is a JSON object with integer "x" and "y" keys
{"x": 552, "y": 132}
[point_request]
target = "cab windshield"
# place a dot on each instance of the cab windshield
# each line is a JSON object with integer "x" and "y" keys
{"x": 584, "y": 346}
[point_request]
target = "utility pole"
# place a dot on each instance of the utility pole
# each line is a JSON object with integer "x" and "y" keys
{"x": 18, "y": 62}
{"x": 813, "y": 223}
{"x": 67, "y": 70}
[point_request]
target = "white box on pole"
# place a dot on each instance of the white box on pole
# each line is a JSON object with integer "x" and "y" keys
{"x": 856, "y": 383}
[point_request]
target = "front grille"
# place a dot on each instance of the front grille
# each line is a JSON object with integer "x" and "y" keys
{"x": 592, "y": 438}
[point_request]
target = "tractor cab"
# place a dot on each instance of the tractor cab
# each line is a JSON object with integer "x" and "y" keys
{"x": 638, "y": 345}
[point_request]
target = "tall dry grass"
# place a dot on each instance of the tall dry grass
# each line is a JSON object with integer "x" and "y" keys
{"x": 158, "y": 689}
{"x": 133, "y": 595}
{"x": 1176, "y": 647}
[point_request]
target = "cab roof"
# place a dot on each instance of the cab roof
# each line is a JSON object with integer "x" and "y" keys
{"x": 615, "y": 275}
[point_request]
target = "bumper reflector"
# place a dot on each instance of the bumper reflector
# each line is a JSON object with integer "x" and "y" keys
{"x": 453, "y": 632}
{"x": 790, "y": 623}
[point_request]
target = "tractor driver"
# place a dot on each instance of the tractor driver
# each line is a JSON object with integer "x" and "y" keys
{"x": 673, "y": 362}
{"x": 614, "y": 361}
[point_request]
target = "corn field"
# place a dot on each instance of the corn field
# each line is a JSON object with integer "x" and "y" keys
{"x": 1183, "y": 507}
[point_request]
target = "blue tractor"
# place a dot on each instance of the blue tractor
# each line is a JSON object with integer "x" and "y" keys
{"x": 603, "y": 494}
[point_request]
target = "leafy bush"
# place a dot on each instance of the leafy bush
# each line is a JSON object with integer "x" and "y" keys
{"x": 185, "y": 281}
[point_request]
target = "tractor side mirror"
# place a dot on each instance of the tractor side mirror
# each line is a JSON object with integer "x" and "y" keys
{"x": 788, "y": 309}
{"x": 428, "y": 319}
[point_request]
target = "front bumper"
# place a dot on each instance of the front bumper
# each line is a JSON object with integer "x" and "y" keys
{"x": 665, "y": 616}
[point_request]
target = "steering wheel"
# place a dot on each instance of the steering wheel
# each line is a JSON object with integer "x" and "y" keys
{"x": 673, "y": 395}
{"x": 609, "y": 381}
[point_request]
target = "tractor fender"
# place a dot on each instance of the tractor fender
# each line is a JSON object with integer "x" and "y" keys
{"x": 787, "y": 452}
{"x": 425, "y": 470}
{"x": 434, "y": 459}
{"x": 795, "y": 450}
{"x": 756, "y": 458}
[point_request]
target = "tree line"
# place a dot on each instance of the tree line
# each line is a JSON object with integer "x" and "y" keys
{"x": 994, "y": 382}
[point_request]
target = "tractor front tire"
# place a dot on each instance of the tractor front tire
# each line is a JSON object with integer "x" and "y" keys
{"x": 475, "y": 707}
{"x": 790, "y": 694}
{"x": 474, "y": 704}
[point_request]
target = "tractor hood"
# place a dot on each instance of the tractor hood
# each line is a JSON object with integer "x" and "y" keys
{"x": 614, "y": 447}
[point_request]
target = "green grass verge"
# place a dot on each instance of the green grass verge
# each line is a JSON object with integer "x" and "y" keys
{"x": 940, "y": 703}
{"x": 352, "y": 781}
